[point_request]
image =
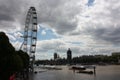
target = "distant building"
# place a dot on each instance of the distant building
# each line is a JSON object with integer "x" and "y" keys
{"x": 116, "y": 54}
{"x": 118, "y": 60}
{"x": 55, "y": 56}
{"x": 69, "y": 56}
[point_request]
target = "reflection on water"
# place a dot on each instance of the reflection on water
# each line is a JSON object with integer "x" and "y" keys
{"x": 111, "y": 72}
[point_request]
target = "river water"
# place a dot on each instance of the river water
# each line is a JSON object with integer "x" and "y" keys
{"x": 110, "y": 72}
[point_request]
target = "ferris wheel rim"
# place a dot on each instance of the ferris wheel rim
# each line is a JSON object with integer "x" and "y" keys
{"x": 31, "y": 15}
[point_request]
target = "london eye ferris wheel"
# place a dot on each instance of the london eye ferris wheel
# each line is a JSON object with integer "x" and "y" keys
{"x": 30, "y": 34}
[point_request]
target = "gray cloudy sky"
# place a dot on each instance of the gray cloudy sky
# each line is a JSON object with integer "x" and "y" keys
{"x": 85, "y": 26}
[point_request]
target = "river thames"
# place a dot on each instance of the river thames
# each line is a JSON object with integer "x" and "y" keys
{"x": 109, "y": 72}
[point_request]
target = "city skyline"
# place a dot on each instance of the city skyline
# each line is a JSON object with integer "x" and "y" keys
{"x": 87, "y": 27}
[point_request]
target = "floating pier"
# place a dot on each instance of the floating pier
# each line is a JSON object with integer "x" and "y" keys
{"x": 83, "y": 69}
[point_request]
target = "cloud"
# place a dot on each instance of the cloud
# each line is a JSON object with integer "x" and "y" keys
{"x": 43, "y": 32}
{"x": 97, "y": 27}
{"x": 10, "y": 10}
{"x": 93, "y": 24}
{"x": 61, "y": 17}
{"x": 100, "y": 21}
{"x": 60, "y": 14}
{"x": 11, "y": 37}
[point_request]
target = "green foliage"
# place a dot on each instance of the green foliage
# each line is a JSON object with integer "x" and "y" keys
{"x": 11, "y": 61}
{"x": 16, "y": 63}
{"x": 25, "y": 58}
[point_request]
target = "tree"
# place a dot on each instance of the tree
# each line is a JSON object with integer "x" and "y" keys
{"x": 10, "y": 61}
{"x": 25, "y": 58}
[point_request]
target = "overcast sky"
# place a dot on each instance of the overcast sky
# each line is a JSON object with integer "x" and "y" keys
{"x": 86, "y": 26}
